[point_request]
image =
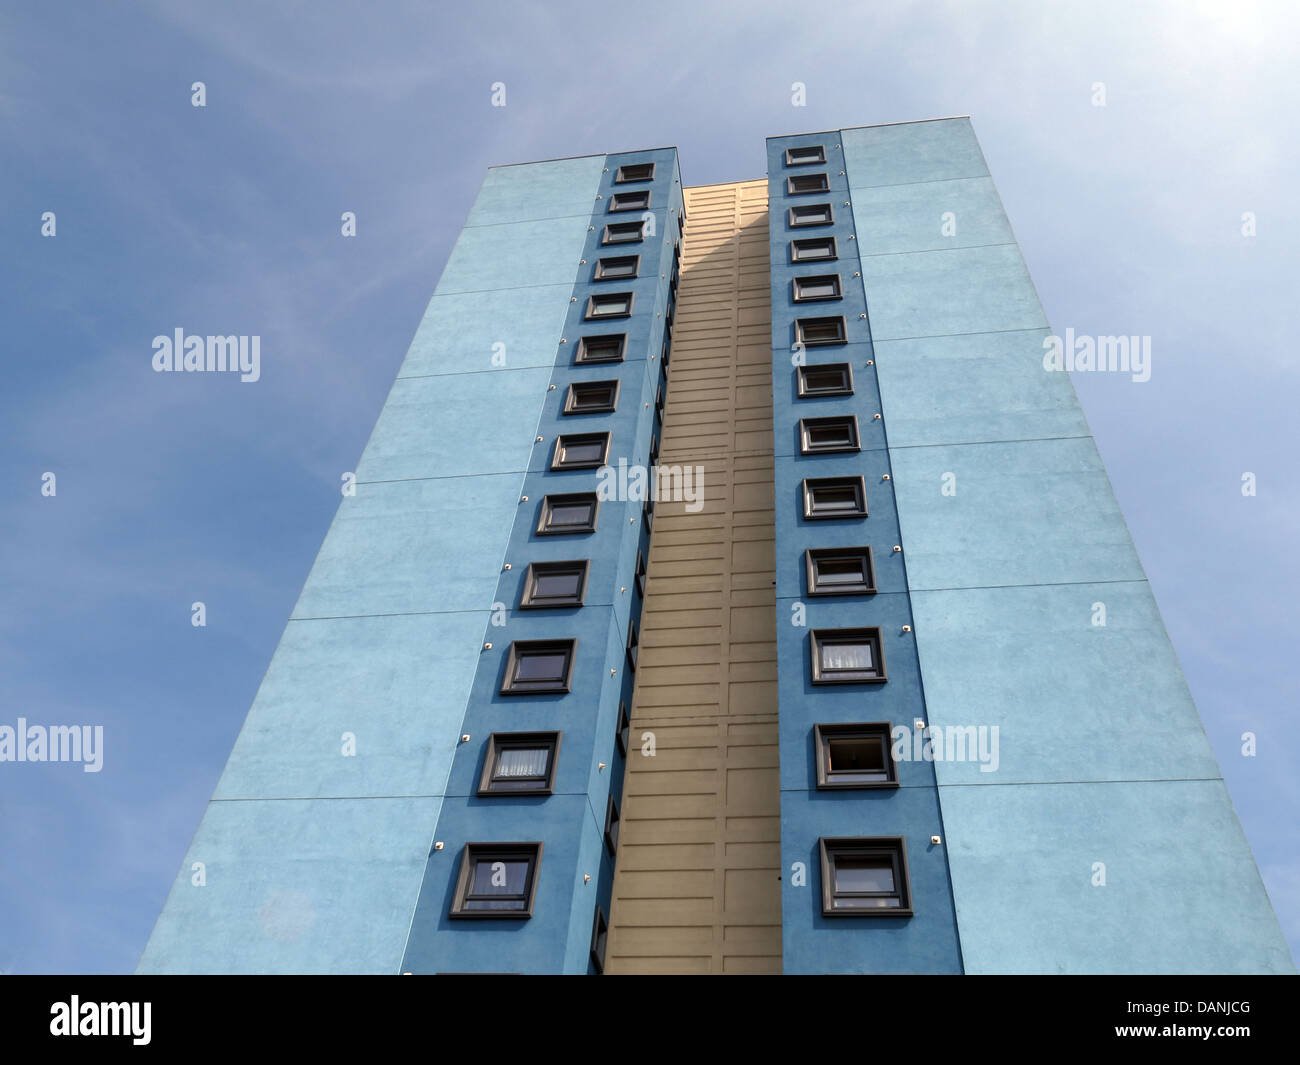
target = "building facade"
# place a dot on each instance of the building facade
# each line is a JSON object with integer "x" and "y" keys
{"x": 721, "y": 594}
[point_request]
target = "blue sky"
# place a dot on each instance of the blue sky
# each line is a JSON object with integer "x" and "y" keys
{"x": 173, "y": 488}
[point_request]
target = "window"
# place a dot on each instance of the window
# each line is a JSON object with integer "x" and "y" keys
{"x": 846, "y": 656}
{"x": 520, "y": 763}
{"x": 640, "y": 574}
{"x": 580, "y": 451}
{"x": 539, "y": 667}
{"x": 654, "y": 449}
{"x": 611, "y": 305}
{"x": 816, "y": 287}
{"x": 591, "y": 397}
{"x": 634, "y": 172}
{"x": 805, "y": 154}
{"x": 497, "y": 880}
{"x": 814, "y": 332}
{"x": 855, "y": 756}
{"x": 623, "y": 233}
{"x": 659, "y": 399}
{"x": 830, "y": 379}
{"x": 840, "y": 571}
{"x": 616, "y": 268}
{"x": 599, "y": 931}
{"x": 605, "y": 348}
{"x": 630, "y": 201}
{"x": 821, "y": 436}
{"x": 624, "y": 732}
{"x": 611, "y": 825}
{"x": 648, "y": 513}
{"x": 565, "y": 514}
{"x": 806, "y": 183}
{"x": 865, "y": 877}
{"x": 554, "y": 584}
{"x": 810, "y": 214}
{"x": 834, "y": 497}
{"x": 632, "y": 642}
{"x": 811, "y": 249}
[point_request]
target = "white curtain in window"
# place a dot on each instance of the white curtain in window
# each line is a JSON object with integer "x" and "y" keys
{"x": 522, "y": 762}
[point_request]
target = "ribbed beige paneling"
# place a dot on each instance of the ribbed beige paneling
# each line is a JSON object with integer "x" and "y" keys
{"x": 696, "y": 888}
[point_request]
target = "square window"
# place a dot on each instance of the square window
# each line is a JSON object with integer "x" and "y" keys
{"x": 805, "y": 154}
{"x": 810, "y": 214}
{"x": 816, "y": 332}
{"x": 591, "y": 397}
{"x": 829, "y": 379}
{"x": 624, "y": 732}
{"x": 611, "y": 825}
{"x": 520, "y": 763}
{"x": 623, "y": 233}
{"x": 834, "y": 497}
{"x": 599, "y": 933}
{"x": 630, "y": 201}
{"x": 846, "y": 656}
{"x": 580, "y": 451}
{"x": 640, "y": 574}
{"x": 539, "y": 667}
{"x": 822, "y": 436}
{"x": 865, "y": 877}
{"x": 634, "y": 172}
{"x": 497, "y": 880}
{"x": 563, "y": 514}
{"x": 609, "y": 305}
{"x": 840, "y": 571}
{"x": 855, "y": 756}
{"x": 802, "y": 184}
{"x": 816, "y": 287}
{"x": 548, "y": 585}
{"x": 605, "y": 348}
{"x": 616, "y": 268}
{"x": 813, "y": 249}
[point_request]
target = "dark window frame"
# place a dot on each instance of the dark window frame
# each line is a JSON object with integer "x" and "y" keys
{"x": 550, "y": 502}
{"x": 623, "y": 731}
{"x": 474, "y": 853}
{"x": 831, "y": 849}
{"x": 793, "y": 220}
{"x": 611, "y": 826}
{"x": 814, "y": 557}
{"x": 528, "y": 600}
{"x": 792, "y": 160}
{"x": 803, "y": 244}
{"x": 809, "y": 488}
{"x": 600, "y": 273}
{"x": 640, "y": 575}
{"x": 621, "y": 177}
{"x": 615, "y": 230}
{"x": 837, "y": 321}
{"x": 611, "y": 388}
{"x": 845, "y": 388}
{"x": 599, "y": 939}
{"x": 520, "y": 649}
{"x": 565, "y": 441}
{"x": 798, "y": 285}
{"x": 632, "y": 648}
{"x": 502, "y": 741}
{"x": 825, "y": 732}
{"x": 598, "y": 298}
{"x": 820, "y": 638}
{"x": 633, "y": 200}
{"x": 794, "y": 181}
{"x": 582, "y": 352}
{"x": 807, "y": 426}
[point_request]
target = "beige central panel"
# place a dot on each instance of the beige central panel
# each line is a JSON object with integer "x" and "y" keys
{"x": 697, "y": 886}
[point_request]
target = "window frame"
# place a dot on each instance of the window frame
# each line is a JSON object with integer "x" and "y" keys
{"x": 500, "y": 741}
{"x": 801, "y": 244}
{"x": 631, "y": 649}
{"x": 600, "y": 273}
{"x": 528, "y": 599}
{"x": 815, "y": 556}
{"x": 519, "y": 649}
{"x": 808, "y": 425}
{"x": 623, "y": 731}
{"x": 549, "y": 503}
{"x": 570, "y": 406}
{"x": 831, "y": 848}
{"x": 820, "y": 149}
{"x": 629, "y": 201}
{"x": 820, "y": 638}
{"x": 476, "y": 852}
{"x": 597, "y": 298}
{"x": 793, "y": 221}
{"x": 599, "y": 939}
{"x": 564, "y": 441}
{"x": 621, "y": 177}
{"x": 641, "y": 573}
{"x": 607, "y": 235}
{"x": 836, "y": 281}
{"x": 824, "y": 732}
{"x": 837, "y": 320}
{"x": 810, "y": 485}
{"x": 793, "y": 182}
{"x": 845, "y": 370}
{"x": 581, "y": 356}
{"x": 610, "y": 834}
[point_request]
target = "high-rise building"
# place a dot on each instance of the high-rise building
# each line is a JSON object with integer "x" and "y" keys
{"x": 866, "y": 677}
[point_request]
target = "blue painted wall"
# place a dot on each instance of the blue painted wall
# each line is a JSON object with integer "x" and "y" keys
{"x": 1102, "y": 758}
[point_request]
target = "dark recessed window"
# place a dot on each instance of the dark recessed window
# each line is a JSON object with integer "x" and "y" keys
{"x": 563, "y": 514}
{"x": 580, "y": 451}
{"x": 611, "y": 825}
{"x": 633, "y": 641}
{"x": 591, "y": 397}
{"x": 681, "y": 224}
{"x": 630, "y": 201}
{"x": 654, "y": 449}
{"x": 816, "y": 287}
{"x": 520, "y": 763}
{"x": 812, "y": 249}
{"x": 497, "y": 880}
{"x": 855, "y": 756}
{"x": 805, "y": 154}
{"x": 648, "y": 514}
{"x": 840, "y": 571}
{"x": 834, "y": 497}
{"x": 554, "y": 584}
{"x": 623, "y": 233}
{"x": 830, "y": 379}
{"x": 659, "y": 399}
{"x": 865, "y": 877}
{"x": 666, "y": 352}
{"x": 820, "y": 436}
{"x": 802, "y": 184}
{"x": 811, "y": 214}
{"x": 814, "y": 332}
{"x": 640, "y": 574}
{"x": 624, "y": 732}
{"x": 846, "y": 656}
{"x": 616, "y": 268}
{"x": 609, "y": 305}
{"x": 605, "y": 348}
{"x": 599, "y": 933}
{"x": 539, "y": 667}
{"x": 634, "y": 172}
